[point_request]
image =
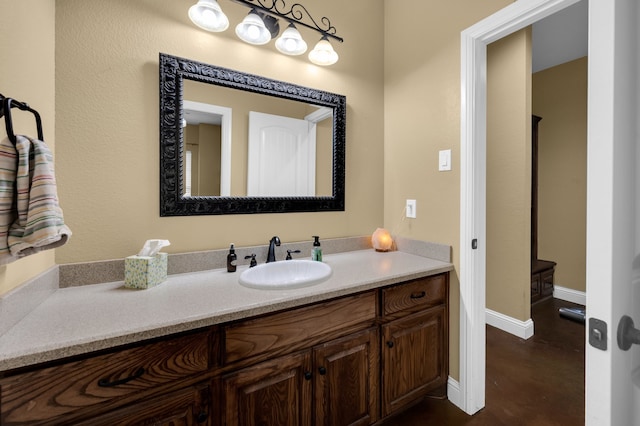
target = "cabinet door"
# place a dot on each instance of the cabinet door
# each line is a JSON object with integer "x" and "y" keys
{"x": 414, "y": 351}
{"x": 546, "y": 283}
{"x": 274, "y": 392}
{"x": 190, "y": 406}
{"x": 535, "y": 288}
{"x": 346, "y": 380}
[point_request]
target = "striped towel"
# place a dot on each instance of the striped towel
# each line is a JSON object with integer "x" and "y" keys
{"x": 8, "y": 213}
{"x": 37, "y": 223}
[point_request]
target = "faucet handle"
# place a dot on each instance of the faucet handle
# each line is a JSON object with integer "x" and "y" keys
{"x": 289, "y": 254}
{"x": 253, "y": 262}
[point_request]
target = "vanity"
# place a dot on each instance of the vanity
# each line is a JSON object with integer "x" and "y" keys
{"x": 365, "y": 344}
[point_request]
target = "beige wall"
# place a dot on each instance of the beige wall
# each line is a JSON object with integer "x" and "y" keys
{"x": 27, "y": 33}
{"x": 560, "y": 98}
{"x": 107, "y": 122}
{"x": 508, "y": 275}
{"x": 422, "y": 116}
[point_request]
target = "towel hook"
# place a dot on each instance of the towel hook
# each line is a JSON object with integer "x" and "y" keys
{"x": 7, "y": 105}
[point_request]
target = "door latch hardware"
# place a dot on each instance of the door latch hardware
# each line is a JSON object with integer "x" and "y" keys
{"x": 598, "y": 334}
{"x": 474, "y": 243}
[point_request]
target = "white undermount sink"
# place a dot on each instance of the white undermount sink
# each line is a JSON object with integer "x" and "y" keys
{"x": 285, "y": 274}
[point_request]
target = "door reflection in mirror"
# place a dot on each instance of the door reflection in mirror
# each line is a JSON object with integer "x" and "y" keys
{"x": 283, "y": 157}
{"x": 222, "y": 165}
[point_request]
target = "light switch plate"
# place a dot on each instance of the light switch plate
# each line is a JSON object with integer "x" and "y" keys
{"x": 444, "y": 160}
{"x": 410, "y": 209}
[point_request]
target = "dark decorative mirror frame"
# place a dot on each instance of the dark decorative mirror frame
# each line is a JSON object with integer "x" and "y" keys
{"x": 173, "y": 71}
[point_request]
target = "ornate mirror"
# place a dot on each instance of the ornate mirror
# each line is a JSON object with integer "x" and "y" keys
{"x": 237, "y": 143}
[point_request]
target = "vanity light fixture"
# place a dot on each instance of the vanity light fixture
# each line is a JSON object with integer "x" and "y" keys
{"x": 323, "y": 53}
{"x": 253, "y": 30}
{"x": 208, "y": 15}
{"x": 291, "y": 42}
{"x": 262, "y": 24}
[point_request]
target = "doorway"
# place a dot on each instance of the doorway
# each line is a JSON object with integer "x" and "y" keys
{"x": 473, "y": 186}
{"x": 612, "y": 228}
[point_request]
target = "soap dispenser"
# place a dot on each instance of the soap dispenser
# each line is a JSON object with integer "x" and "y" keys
{"x": 231, "y": 259}
{"x": 316, "y": 251}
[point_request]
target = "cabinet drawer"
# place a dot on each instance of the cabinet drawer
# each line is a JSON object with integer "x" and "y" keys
{"x": 61, "y": 392}
{"x": 297, "y": 327}
{"x": 415, "y": 295}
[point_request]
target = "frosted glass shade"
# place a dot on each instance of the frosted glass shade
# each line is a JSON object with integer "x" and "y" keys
{"x": 323, "y": 53}
{"x": 291, "y": 42}
{"x": 252, "y": 30}
{"x": 208, "y": 15}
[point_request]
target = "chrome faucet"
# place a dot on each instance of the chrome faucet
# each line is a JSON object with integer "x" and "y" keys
{"x": 271, "y": 255}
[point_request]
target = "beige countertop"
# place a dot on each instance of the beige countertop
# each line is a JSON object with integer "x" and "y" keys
{"x": 78, "y": 320}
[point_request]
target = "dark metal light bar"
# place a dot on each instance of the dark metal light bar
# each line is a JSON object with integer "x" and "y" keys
{"x": 295, "y": 14}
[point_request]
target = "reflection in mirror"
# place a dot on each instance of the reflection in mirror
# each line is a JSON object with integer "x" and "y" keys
{"x": 207, "y": 149}
{"x": 229, "y": 145}
{"x": 281, "y": 147}
{"x": 286, "y": 154}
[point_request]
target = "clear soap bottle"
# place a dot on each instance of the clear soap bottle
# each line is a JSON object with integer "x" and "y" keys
{"x": 316, "y": 251}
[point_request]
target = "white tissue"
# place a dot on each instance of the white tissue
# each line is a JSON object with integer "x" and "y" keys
{"x": 152, "y": 247}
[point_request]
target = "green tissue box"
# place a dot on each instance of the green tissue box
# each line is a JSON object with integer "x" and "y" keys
{"x": 145, "y": 271}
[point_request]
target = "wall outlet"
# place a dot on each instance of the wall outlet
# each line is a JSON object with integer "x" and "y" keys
{"x": 410, "y": 209}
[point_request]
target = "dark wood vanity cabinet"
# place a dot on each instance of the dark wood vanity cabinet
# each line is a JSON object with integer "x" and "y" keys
{"x": 348, "y": 361}
{"x": 82, "y": 390}
{"x": 330, "y": 378}
{"x": 331, "y": 384}
{"x": 415, "y": 336}
{"x": 277, "y": 391}
{"x": 189, "y": 406}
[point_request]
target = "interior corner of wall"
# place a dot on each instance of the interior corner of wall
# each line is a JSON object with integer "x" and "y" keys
{"x": 15, "y": 274}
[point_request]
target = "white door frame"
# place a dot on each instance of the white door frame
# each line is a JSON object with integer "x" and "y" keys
{"x": 225, "y": 114}
{"x": 474, "y": 41}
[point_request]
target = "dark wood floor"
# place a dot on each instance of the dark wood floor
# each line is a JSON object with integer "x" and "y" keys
{"x": 539, "y": 381}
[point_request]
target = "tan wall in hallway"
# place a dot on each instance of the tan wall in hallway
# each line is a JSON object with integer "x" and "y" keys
{"x": 560, "y": 98}
{"x": 509, "y": 175}
{"x": 27, "y": 31}
{"x": 422, "y": 116}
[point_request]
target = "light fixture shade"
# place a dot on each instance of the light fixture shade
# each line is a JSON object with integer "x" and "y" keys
{"x": 252, "y": 29}
{"x": 323, "y": 53}
{"x": 381, "y": 240}
{"x": 208, "y": 15}
{"x": 291, "y": 42}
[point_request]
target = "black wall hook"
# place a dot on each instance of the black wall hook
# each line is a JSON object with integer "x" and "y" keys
{"x": 7, "y": 104}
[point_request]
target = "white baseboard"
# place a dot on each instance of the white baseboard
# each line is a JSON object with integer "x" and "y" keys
{"x": 453, "y": 393}
{"x": 522, "y": 329}
{"x": 570, "y": 295}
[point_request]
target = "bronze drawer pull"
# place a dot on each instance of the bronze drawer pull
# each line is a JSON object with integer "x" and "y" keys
{"x": 418, "y": 295}
{"x": 105, "y": 383}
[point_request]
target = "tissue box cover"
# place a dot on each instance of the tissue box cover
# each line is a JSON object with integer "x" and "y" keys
{"x": 145, "y": 271}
